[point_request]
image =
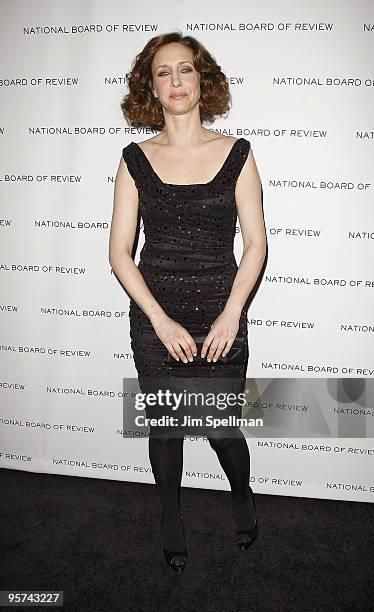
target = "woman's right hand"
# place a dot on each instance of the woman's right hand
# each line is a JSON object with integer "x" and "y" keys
{"x": 175, "y": 337}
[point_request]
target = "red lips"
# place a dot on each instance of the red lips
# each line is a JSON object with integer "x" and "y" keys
{"x": 176, "y": 96}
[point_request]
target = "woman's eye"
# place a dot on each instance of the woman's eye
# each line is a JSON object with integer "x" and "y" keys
{"x": 185, "y": 69}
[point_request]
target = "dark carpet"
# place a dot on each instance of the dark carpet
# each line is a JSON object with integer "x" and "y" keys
{"x": 99, "y": 542}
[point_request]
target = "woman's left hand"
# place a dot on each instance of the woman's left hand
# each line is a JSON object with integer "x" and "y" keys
{"x": 221, "y": 336}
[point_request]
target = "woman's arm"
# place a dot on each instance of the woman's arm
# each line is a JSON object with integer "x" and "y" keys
{"x": 174, "y": 336}
{"x": 248, "y": 203}
{"x": 121, "y": 242}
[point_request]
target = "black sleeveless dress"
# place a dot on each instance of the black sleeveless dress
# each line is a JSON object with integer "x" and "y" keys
{"x": 187, "y": 262}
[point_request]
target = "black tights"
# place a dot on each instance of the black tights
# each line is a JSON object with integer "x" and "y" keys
{"x": 166, "y": 457}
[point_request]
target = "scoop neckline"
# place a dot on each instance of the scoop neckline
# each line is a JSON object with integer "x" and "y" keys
{"x": 195, "y": 185}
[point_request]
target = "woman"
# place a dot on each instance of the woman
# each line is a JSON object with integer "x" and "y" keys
{"x": 187, "y": 283}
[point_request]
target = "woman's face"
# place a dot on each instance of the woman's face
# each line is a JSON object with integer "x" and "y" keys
{"x": 175, "y": 81}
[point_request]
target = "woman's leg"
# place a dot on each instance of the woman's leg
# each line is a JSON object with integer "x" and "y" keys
{"x": 166, "y": 457}
{"x": 233, "y": 455}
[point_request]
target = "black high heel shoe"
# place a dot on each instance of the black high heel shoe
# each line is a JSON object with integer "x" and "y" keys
{"x": 176, "y": 559}
{"x": 246, "y": 537}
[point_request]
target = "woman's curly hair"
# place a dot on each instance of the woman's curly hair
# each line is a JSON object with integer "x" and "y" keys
{"x": 141, "y": 108}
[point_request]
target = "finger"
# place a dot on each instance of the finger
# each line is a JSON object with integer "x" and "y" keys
{"x": 213, "y": 348}
{"x": 192, "y": 345}
{"x": 176, "y": 349}
{"x": 189, "y": 347}
{"x": 172, "y": 352}
{"x": 206, "y": 344}
{"x": 180, "y": 353}
{"x": 218, "y": 351}
{"x": 228, "y": 346}
{"x": 182, "y": 349}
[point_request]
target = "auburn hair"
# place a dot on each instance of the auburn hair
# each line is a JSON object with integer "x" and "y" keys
{"x": 141, "y": 108}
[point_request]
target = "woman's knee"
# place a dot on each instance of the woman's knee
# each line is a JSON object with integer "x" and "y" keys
{"x": 222, "y": 439}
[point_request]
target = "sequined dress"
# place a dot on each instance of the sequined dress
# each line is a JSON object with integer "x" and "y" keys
{"x": 187, "y": 259}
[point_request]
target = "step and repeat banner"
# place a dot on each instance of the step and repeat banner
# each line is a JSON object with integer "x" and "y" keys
{"x": 302, "y": 85}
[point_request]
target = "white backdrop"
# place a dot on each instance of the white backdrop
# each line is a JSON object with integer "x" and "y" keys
{"x": 302, "y": 82}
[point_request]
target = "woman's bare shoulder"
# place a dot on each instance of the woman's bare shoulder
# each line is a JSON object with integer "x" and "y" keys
{"x": 144, "y": 144}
